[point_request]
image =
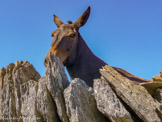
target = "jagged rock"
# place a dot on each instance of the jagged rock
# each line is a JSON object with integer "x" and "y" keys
{"x": 57, "y": 82}
{"x": 25, "y": 97}
{"x": 152, "y": 86}
{"x": 2, "y": 74}
{"x": 135, "y": 96}
{"x": 158, "y": 77}
{"x": 46, "y": 106}
{"x": 28, "y": 102}
{"x": 108, "y": 103}
{"x": 159, "y": 109}
{"x": 22, "y": 73}
{"x": 155, "y": 89}
{"x": 49, "y": 102}
{"x": 7, "y": 94}
{"x": 80, "y": 103}
{"x": 10, "y": 79}
{"x": 158, "y": 95}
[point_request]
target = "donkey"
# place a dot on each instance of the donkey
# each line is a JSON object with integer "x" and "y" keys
{"x": 76, "y": 56}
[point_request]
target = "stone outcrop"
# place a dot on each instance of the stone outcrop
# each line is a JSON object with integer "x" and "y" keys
{"x": 81, "y": 104}
{"x": 135, "y": 96}
{"x": 28, "y": 102}
{"x": 158, "y": 95}
{"x": 57, "y": 81}
{"x": 27, "y": 97}
{"x": 108, "y": 103}
{"x": 10, "y": 95}
{"x": 158, "y": 77}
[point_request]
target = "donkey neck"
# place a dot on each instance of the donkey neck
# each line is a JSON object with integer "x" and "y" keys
{"x": 84, "y": 54}
{"x": 86, "y": 65}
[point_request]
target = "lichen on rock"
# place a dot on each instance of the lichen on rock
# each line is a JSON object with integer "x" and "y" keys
{"x": 158, "y": 78}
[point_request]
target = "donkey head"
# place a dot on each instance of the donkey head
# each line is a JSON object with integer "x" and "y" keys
{"x": 66, "y": 37}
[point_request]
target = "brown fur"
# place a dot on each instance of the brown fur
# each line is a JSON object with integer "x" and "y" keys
{"x": 79, "y": 60}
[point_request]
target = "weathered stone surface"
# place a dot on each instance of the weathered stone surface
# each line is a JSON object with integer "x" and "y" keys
{"x": 152, "y": 86}
{"x": 25, "y": 97}
{"x": 159, "y": 109}
{"x": 28, "y": 102}
{"x": 158, "y": 95}
{"x": 7, "y": 94}
{"x": 50, "y": 100}
{"x": 133, "y": 95}
{"x": 80, "y": 103}
{"x": 57, "y": 82}
{"x": 56, "y": 68}
{"x": 108, "y": 103}
{"x": 158, "y": 98}
{"x": 2, "y": 74}
{"x": 22, "y": 73}
{"x": 158, "y": 77}
{"x": 10, "y": 80}
{"x": 161, "y": 74}
{"x": 155, "y": 89}
{"x": 46, "y": 106}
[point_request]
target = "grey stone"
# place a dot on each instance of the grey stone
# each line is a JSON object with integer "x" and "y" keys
{"x": 22, "y": 73}
{"x": 81, "y": 104}
{"x": 10, "y": 80}
{"x": 158, "y": 98}
{"x": 25, "y": 97}
{"x": 28, "y": 102}
{"x": 46, "y": 106}
{"x": 57, "y": 81}
{"x": 159, "y": 109}
{"x": 7, "y": 94}
{"x": 108, "y": 103}
{"x": 135, "y": 96}
{"x": 158, "y": 95}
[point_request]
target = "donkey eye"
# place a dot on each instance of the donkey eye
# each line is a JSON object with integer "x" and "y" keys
{"x": 72, "y": 35}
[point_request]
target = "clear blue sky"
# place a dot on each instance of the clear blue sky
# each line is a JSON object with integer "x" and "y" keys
{"x": 124, "y": 33}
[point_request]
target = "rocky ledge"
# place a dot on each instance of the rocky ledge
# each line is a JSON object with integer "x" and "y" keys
{"x": 27, "y": 97}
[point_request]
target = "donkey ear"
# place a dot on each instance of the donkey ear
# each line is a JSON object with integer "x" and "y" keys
{"x": 57, "y": 21}
{"x": 83, "y": 18}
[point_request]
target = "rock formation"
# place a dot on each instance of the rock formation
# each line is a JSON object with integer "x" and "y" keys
{"x": 108, "y": 102}
{"x": 81, "y": 104}
{"x": 27, "y": 97}
{"x": 157, "y": 77}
